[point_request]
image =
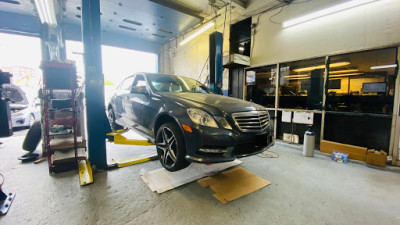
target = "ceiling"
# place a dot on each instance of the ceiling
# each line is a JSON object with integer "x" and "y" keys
{"x": 136, "y": 24}
{"x": 151, "y": 20}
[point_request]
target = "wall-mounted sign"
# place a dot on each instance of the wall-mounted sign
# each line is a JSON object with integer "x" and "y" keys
{"x": 303, "y": 118}
{"x": 250, "y": 77}
{"x": 287, "y": 116}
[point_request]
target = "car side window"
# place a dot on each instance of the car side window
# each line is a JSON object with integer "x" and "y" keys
{"x": 14, "y": 95}
{"x": 139, "y": 85}
{"x": 126, "y": 85}
{"x": 139, "y": 81}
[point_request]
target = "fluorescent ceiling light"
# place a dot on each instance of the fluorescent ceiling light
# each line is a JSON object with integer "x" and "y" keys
{"x": 294, "y": 76}
{"x": 301, "y": 78}
{"x": 197, "y": 33}
{"x": 383, "y": 67}
{"x": 332, "y": 65}
{"x": 327, "y": 11}
{"x": 46, "y": 11}
{"x": 343, "y": 71}
{"x": 345, "y": 75}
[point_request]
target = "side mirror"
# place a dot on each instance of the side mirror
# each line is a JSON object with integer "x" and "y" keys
{"x": 139, "y": 90}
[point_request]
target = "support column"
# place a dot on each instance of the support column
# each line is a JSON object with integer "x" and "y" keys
{"x": 94, "y": 83}
{"x": 215, "y": 51}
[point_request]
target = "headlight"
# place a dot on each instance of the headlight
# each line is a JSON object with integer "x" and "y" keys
{"x": 200, "y": 117}
{"x": 223, "y": 122}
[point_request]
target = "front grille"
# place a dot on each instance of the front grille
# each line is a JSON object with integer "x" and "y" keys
{"x": 253, "y": 121}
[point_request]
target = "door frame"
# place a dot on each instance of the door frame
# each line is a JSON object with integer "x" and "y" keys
{"x": 394, "y": 149}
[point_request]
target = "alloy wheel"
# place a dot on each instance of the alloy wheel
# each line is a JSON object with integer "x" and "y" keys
{"x": 111, "y": 117}
{"x": 167, "y": 146}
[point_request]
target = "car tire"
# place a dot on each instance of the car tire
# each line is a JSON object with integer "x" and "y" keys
{"x": 33, "y": 137}
{"x": 111, "y": 119}
{"x": 171, "y": 148}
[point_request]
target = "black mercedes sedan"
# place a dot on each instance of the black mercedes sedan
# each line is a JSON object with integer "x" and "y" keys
{"x": 187, "y": 121}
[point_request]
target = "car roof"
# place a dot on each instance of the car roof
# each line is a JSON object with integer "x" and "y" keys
{"x": 162, "y": 74}
{"x": 155, "y": 74}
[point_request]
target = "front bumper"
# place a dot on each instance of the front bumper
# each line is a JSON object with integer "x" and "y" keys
{"x": 213, "y": 145}
{"x": 20, "y": 121}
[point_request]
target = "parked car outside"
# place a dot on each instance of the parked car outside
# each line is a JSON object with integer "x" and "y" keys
{"x": 23, "y": 112}
{"x": 187, "y": 122}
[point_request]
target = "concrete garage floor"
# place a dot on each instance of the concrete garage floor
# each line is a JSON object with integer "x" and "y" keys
{"x": 303, "y": 191}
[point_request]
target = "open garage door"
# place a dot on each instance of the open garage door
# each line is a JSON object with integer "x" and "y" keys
{"x": 118, "y": 63}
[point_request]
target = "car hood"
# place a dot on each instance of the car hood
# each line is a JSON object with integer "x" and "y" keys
{"x": 212, "y": 101}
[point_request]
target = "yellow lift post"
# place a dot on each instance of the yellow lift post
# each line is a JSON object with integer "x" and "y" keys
{"x": 85, "y": 172}
{"x": 118, "y": 138}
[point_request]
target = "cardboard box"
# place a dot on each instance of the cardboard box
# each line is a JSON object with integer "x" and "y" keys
{"x": 339, "y": 157}
{"x": 233, "y": 184}
{"x": 376, "y": 158}
{"x": 355, "y": 152}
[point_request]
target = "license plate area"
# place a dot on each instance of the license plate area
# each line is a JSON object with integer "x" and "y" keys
{"x": 261, "y": 140}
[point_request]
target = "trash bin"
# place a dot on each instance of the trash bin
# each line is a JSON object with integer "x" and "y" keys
{"x": 309, "y": 143}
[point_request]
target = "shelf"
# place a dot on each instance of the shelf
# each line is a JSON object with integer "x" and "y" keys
{"x": 60, "y": 107}
{"x": 360, "y": 114}
{"x": 61, "y": 110}
{"x": 67, "y": 156}
{"x": 64, "y": 132}
{"x": 66, "y": 143}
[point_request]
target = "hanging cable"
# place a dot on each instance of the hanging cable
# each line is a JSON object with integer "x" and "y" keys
{"x": 268, "y": 154}
{"x": 201, "y": 73}
{"x": 270, "y": 18}
{"x": 226, "y": 8}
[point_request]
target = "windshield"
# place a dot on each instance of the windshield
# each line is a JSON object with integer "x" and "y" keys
{"x": 170, "y": 83}
{"x": 14, "y": 95}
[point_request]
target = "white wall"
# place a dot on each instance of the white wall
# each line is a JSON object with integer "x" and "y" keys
{"x": 369, "y": 26}
{"x": 188, "y": 60}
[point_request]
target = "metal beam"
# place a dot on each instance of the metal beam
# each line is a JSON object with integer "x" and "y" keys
{"x": 178, "y": 7}
{"x": 239, "y": 3}
{"x": 94, "y": 83}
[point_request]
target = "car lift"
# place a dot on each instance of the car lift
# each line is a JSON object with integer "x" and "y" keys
{"x": 118, "y": 138}
{"x": 85, "y": 170}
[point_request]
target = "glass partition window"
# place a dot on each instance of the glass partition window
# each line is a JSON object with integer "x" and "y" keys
{"x": 301, "y": 84}
{"x": 365, "y": 84}
{"x": 261, "y": 86}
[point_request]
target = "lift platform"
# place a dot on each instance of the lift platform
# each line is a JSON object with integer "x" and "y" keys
{"x": 117, "y": 137}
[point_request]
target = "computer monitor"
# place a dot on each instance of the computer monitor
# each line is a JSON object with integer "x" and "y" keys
{"x": 378, "y": 87}
{"x": 335, "y": 84}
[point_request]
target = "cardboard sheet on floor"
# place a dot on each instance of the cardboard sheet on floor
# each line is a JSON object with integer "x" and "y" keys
{"x": 161, "y": 180}
{"x": 233, "y": 184}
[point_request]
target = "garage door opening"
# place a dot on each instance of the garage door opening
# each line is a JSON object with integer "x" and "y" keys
{"x": 21, "y": 56}
{"x": 118, "y": 63}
